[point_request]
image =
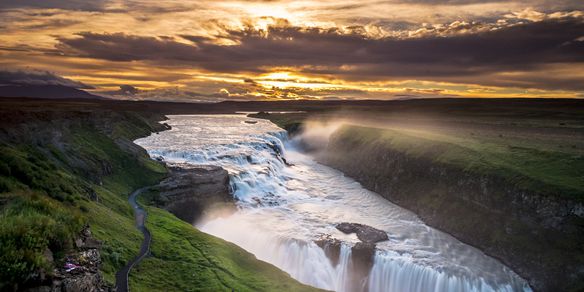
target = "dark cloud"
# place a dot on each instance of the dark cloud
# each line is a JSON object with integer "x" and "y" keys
{"x": 523, "y": 47}
{"x": 22, "y": 77}
{"x": 176, "y": 94}
{"x": 533, "y": 3}
{"x": 123, "y": 47}
{"x": 446, "y": 2}
{"x": 126, "y": 91}
{"x": 85, "y": 5}
{"x": 53, "y": 23}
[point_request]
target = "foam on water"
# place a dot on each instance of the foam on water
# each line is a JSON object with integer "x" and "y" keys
{"x": 283, "y": 208}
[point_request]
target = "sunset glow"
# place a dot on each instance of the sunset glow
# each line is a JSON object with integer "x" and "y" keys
{"x": 247, "y": 50}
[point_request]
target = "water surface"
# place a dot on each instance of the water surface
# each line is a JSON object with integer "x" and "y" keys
{"x": 283, "y": 208}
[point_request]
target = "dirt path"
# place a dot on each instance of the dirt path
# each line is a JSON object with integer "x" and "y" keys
{"x": 140, "y": 215}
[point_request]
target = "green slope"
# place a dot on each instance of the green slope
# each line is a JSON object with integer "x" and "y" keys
{"x": 79, "y": 168}
{"x": 533, "y": 166}
{"x": 185, "y": 259}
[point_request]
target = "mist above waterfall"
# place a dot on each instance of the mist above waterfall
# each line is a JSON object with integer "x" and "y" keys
{"x": 315, "y": 133}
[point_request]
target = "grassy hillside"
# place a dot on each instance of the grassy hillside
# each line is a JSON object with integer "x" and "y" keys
{"x": 535, "y": 166}
{"x": 291, "y": 122}
{"x": 185, "y": 259}
{"x": 62, "y": 168}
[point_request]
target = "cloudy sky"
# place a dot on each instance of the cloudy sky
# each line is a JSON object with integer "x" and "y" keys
{"x": 329, "y": 49}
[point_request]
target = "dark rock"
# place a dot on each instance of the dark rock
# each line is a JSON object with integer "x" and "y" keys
{"x": 189, "y": 191}
{"x": 78, "y": 272}
{"x": 362, "y": 255}
{"x": 86, "y": 232}
{"x": 331, "y": 247}
{"x": 257, "y": 200}
{"x": 286, "y": 162}
{"x": 86, "y": 241}
{"x": 91, "y": 194}
{"x": 276, "y": 149}
{"x": 365, "y": 233}
{"x": 86, "y": 282}
{"x": 346, "y": 228}
{"x": 106, "y": 168}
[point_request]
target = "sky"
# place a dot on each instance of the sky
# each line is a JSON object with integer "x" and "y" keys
{"x": 278, "y": 49}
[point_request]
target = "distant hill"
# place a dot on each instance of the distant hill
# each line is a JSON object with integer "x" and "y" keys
{"x": 46, "y": 91}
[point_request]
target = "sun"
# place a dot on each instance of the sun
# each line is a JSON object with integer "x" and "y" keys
{"x": 279, "y": 76}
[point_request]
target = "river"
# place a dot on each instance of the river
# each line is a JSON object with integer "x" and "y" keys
{"x": 284, "y": 207}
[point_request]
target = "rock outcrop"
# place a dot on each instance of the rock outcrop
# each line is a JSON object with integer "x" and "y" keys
{"x": 366, "y": 234}
{"x": 331, "y": 247}
{"x": 79, "y": 271}
{"x": 190, "y": 190}
{"x": 362, "y": 253}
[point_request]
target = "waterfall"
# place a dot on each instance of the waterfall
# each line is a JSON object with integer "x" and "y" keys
{"x": 389, "y": 274}
{"x": 283, "y": 208}
{"x": 304, "y": 261}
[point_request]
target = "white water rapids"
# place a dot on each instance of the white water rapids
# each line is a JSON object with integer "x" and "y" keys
{"x": 283, "y": 208}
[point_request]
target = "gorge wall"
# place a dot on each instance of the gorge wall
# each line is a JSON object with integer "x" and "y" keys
{"x": 191, "y": 190}
{"x": 539, "y": 236}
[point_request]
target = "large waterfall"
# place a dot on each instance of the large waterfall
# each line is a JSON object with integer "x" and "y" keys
{"x": 287, "y": 201}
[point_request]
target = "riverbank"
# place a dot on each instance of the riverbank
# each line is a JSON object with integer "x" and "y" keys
{"x": 73, "y": 164}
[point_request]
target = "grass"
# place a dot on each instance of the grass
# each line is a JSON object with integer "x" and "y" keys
{"x": 39, "y": 212}
{"x": 530, "y": 166}
{"x": 24, "y": 166}
{"x": 185, "y": 259}
{"x": 50, "y": 189}
{"x": 30, "y": 224}
{"x": 290, "y": 122}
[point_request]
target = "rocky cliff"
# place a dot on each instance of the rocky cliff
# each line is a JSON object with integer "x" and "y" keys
{"x": 538, "y": 236}
{"x": 78, "y": 271}
{"x": 191, "y": 190}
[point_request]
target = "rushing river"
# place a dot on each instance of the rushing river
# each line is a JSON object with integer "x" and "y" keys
{"x": 283, "y": 208}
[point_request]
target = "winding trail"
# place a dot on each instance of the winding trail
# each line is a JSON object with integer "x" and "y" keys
{"x": 140, "y": 215}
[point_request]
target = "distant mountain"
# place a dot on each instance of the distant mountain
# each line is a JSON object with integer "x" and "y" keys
{"x": 46, "y": 91}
